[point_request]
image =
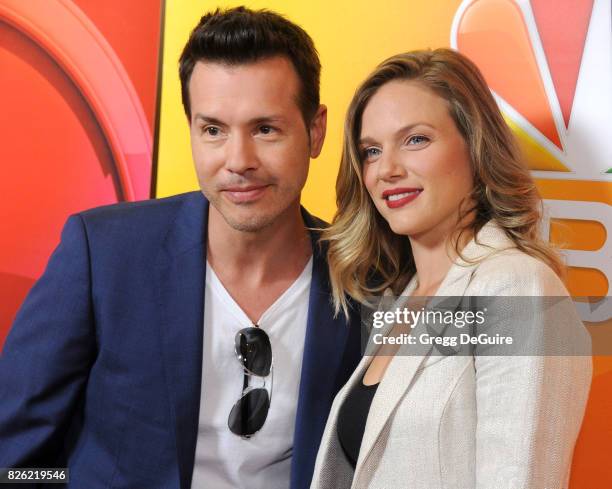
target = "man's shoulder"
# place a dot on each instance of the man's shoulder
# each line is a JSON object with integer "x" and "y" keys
{"x": 313, "y": 221}
{"x": 145, "y": 219}
{"x": 153, "y": 208}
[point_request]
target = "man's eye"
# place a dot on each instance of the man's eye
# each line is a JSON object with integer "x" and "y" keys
{"x": 266, "y": 130}
{"x": 211, "y": 131}
{"x": 417, "y": 139}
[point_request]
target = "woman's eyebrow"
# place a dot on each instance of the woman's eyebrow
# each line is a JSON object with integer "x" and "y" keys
{"x": 406, "y": 128}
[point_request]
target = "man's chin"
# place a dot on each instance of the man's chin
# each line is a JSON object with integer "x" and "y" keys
{"x": 249, "y": 223}
{"x": 253, "y": 225}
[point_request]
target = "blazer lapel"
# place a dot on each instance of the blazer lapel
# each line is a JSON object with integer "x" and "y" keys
{"x": 405, "y": 364}
{"x": 395, "y": 383}
{"x": 181, "y": 300}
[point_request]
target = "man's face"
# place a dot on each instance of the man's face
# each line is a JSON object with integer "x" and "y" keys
{"x": 249, "y": 142}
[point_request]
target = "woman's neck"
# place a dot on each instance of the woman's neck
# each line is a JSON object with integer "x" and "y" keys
{"x": 433, "y": 257}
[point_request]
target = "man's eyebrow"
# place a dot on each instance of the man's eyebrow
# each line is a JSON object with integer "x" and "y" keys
{"x": 208, "y": 119}
{"x": 256, "y": 120}
{"x": 267, "y": 118}
{"x": 406, "y": 128}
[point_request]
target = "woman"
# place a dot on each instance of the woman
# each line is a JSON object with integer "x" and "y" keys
{"x": 433, "y": 199}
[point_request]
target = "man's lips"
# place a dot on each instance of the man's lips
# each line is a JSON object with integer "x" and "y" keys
{"x": 241, "y": 195}
{"x": 398, "y": 197}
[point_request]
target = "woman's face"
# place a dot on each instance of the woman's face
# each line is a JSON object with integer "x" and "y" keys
{"x": 416, "y": 165}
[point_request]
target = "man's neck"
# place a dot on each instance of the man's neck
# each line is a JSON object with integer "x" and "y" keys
{"x": 257, "y": 267}
{"x": 260, "y": 252}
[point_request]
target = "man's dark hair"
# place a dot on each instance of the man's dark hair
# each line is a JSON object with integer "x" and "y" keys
{"x": 240, "y": 35}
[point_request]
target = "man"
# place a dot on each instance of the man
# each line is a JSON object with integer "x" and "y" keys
{"x": 121, "y": 362}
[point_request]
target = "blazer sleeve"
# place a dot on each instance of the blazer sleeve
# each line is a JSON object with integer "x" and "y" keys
{"x": 47, "y": 356}
{"x": 530, "y": 408}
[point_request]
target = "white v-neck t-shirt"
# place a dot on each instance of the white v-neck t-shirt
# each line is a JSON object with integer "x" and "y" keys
{"x": 224, "y": 460}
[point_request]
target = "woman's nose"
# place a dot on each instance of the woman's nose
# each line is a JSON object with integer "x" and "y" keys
{"x": 389, "y": 167}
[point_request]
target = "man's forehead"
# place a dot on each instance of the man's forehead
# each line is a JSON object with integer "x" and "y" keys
{"x": 274, "y": 67}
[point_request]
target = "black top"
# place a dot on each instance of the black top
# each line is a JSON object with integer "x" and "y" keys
{"x": 352, "y": 419}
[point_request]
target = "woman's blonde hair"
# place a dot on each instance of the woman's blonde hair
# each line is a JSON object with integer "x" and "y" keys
{"x": 365, "y": 255}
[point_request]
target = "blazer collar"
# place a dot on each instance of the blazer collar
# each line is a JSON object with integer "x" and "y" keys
{"x": 401, "y": 370}
{"x": 489, "y": 240}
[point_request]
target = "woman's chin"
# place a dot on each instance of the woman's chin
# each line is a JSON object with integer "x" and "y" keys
{"x": 408, "y": 229}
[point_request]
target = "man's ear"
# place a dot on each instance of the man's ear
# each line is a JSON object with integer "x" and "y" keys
{"x": 317, "y": 130}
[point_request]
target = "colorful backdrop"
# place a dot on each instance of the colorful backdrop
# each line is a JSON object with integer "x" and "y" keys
{"x": 91, "y": 114}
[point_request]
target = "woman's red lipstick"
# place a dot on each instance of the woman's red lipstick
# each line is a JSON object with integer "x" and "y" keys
{"x": 399, "y": 197}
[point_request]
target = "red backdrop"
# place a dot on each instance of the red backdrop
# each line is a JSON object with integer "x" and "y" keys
{"x": 75, "y": 133}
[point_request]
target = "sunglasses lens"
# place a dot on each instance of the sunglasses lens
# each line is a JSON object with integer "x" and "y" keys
{"x": 253, "y": 345}
{"x": 249, "y": 413}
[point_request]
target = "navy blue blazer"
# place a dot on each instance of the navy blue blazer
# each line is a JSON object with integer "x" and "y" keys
{"x": 101, "y": 371}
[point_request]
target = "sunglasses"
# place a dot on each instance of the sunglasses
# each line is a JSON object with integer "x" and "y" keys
{"x": 254, "y": 352}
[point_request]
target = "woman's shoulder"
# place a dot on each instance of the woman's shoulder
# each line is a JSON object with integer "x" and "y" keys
{"x": 506, "y": 270}
{"x": 514, "y": 272}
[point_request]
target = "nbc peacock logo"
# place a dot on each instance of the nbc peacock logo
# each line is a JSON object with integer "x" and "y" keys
{"x": 549, "y": 66}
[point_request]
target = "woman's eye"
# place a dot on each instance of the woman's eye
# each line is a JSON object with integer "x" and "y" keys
{"x": 417, "y": 139}
{"x": 369, "y": 153}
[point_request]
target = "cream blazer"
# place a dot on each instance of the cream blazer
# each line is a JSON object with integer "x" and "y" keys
{"x": 467, "y": 422}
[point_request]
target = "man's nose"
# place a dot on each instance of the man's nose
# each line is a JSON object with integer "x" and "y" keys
{"x": 240, "y": 154}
